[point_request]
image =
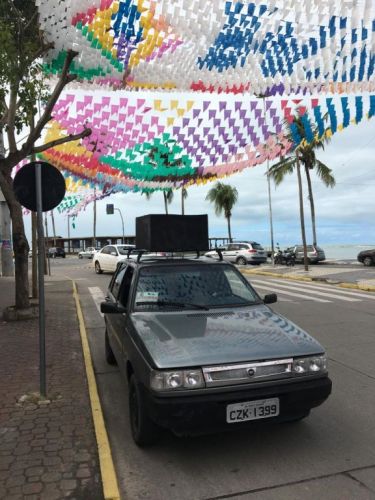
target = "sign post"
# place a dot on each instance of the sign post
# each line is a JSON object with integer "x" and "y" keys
{"x": 41, "y": 252}
{"x": 40, "y": 187}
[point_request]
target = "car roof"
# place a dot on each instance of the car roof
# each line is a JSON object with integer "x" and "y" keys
{"x": 176, "y": 261}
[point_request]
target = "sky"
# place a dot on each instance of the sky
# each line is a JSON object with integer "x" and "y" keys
{"x": 344, "y": 214}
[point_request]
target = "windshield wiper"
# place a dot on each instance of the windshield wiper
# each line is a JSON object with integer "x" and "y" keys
{"x": 171, "y": 303}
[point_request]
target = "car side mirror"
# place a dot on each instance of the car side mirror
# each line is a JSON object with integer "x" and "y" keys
{"x": 110, "y": 308}
{"x": 271, "y": 298}
{"x": 113, "y": 253}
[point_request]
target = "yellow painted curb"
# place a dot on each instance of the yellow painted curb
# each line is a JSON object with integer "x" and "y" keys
{"x": 365, "y": 288}
{"x": 107, "y": 469}
{"x": 277, "y": 275}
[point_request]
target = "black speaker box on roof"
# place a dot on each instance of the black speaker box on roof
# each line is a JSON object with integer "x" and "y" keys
{"x": 172, "y": 233}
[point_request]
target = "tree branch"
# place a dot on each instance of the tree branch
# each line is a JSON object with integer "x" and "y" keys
{"x": 11, "y": 117}
{"x": 64, "y": 79}
{"x": 62, "y": 140}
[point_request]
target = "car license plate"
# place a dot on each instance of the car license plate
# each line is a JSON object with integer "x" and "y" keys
{"x": 253, "y": 410}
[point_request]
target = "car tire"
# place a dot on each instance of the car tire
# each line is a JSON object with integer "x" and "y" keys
{"x": 80, "y": 256}
{"x": 98, "y": 269}
{"x": 367, "y": 261}
{"x": 109, "y": 356}
{"x": 241, "y": 261}
{"x": 144, "y": 431}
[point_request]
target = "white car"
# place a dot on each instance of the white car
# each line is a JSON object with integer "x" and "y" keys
{"x": 242, "y": 252}
{"x": 88, "y": 253}
{"x": 106, "y": 258}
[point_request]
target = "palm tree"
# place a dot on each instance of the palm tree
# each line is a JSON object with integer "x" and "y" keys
{"x": 224, "y": 197}
{"x": 184, "y": 195}
{"x": 167, "y": 196}
{"x": 304, "y": 153}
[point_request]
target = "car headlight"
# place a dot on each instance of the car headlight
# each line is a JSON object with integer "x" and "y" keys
{"x": 311, "y": 364}
{"x": 177, "y": 379}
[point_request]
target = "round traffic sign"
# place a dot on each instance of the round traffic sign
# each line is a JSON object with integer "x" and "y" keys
{"x": 53, "y": 186}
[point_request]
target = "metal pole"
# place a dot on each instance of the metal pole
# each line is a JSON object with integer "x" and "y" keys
{"x": 269, "y": 193}
{"x": 53, "y": 228}
{"x": 47, "y": 252}
{"x": 270, "y": 214}
{"x": 68, "y": 235}
{"x": 122, "y": 222}
{"x": 41, "y": 253}
{"x": 94, "y": 239}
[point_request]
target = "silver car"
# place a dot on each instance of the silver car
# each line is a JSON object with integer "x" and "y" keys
{"x": 242, "y": 252}
{"x": 315, "y": 254}
{"x": 88, "y": 253}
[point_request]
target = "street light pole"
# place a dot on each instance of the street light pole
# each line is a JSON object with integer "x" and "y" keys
{"x": 122, "y": 222}
{"x": 69, "y": 234}
{"x": 269, "y": 193}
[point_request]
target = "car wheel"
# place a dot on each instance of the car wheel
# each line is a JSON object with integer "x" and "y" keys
{"x": 367, "y": 261}
{"x": 144, "y": 431}
{"x": 109, "y": 356}
{"x": 80, "y": 256}
{"x": 98, "y": 269}
{"x": 241, "y": 261}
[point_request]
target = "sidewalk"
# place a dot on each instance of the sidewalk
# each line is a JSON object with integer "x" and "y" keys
{"x": 48, "y": 449}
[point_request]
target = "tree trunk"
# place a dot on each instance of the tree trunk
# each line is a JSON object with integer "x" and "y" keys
{"x": 312, "y": 206}
{"x": 302, "y": 216}
{"x": 229, "y": 229}
{"x": 20, "y": 243}
{"x": 165, "y": 202}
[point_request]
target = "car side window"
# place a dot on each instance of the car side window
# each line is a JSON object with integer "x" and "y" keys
{"x": 105, "y": 250}
{"x": 243, "y": 247}
{"x": 125, "y": 286}
{"x": 116, "y": 283}
{"x": 112, "y": 250}
{"x": 232, "y": 247}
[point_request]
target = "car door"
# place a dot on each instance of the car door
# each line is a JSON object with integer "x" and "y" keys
{"x": 114, "y": 322}
{"x": 112, "y": 258}
{"x": 231, "y": 253}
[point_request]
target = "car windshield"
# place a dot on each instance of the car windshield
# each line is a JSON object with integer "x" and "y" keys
{"x": 257, "y": 246}
{"x": 192, "y": 286}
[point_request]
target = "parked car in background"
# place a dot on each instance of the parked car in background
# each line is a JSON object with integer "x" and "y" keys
{"x": 88, "y": 253}
{"x": 56, "y": 252}
{"x": 242, "y": 252}
{"x": 106, "y": 258}
{"x": 367, "y": 257}
{"x": 315, "y": 254}
{"x": 202, "y": 351}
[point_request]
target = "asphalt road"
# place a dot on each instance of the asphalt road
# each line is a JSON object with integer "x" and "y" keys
{"x": 330, "y": 455}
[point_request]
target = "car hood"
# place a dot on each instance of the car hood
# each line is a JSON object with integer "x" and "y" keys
{"x": 179, "y": 339}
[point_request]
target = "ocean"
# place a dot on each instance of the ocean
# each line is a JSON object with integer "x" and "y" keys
{"x": 343, "y": 252}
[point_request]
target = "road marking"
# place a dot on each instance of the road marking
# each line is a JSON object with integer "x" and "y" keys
{"x": 307, "y": 288}
{"x": 107, "y": 469}
{"x": 97, "y": 296}
{"x": 276, "y": 289}
{"x": 358, "y": 294}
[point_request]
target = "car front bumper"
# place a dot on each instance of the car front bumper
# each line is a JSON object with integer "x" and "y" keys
{"x": 195, "y": 413}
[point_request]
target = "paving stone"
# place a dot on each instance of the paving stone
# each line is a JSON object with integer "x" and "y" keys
{"x": 68, "y": 484}
{"x": 40, "y": 442}
{"x": 32, "y": 488}
{"x": 51, "y": 477}
{"x": 18, "y": 480}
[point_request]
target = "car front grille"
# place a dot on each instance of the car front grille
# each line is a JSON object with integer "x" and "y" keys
{"x": 248, "y": 372}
